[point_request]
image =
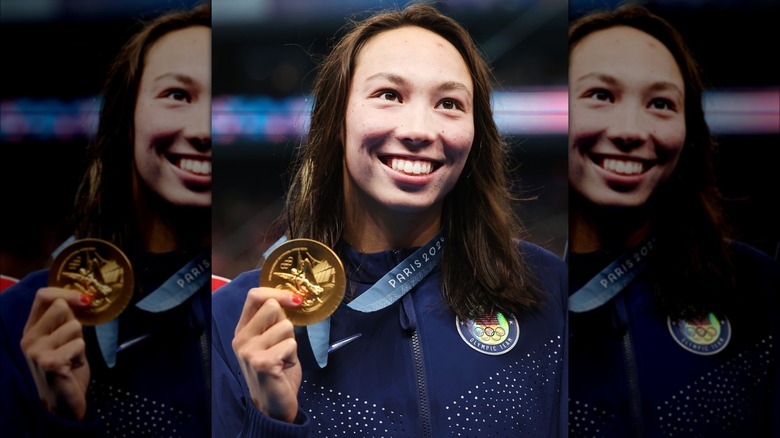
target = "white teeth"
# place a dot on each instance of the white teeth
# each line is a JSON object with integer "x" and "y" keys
{"x": 622, "y": 167}
{"x": 411, "y": 167}
{"x": 195, "y": 166}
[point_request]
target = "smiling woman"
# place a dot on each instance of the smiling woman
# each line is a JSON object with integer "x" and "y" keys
{"x": 172, "y": 118}
{"x": 404, "y": 115}
{"x": 673, "y": 327}
{"x": 144, "y": 370}
{"x": 403, "y": 175}
{"x": 628, "y": 133}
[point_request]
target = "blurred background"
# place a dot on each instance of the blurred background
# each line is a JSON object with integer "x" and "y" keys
{"x": 56, "y": 52}
{"x": 734, "y": 42}
{"x": 264, "y": 59}
{"x": 55, "y": 56}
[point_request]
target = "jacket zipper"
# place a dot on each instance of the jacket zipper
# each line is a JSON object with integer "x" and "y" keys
{"x": 422, "y": 387}
{"x": 409, "y": 323}
{"x": 419, "y": 363}
{"x": 632, "y": 375}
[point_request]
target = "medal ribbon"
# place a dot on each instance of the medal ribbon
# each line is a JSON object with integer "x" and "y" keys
{"x": 396, "y": 283}
{"x": 174, "y": 291}
{"x": 613, "y": 278}
{"x": 389, "y": 289}
{"x": 62, "y": 246}
{"x": 179, "y": 287}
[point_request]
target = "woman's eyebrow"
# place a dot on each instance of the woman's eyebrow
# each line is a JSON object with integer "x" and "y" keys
{"x": 666, "y": 86}
{"x": 612, "y": 81}
{"x": 401, "y": 81}
{"x": 454, "y": 86}
{"x": 602, "y": 77}
{"x": 179, "y": 77}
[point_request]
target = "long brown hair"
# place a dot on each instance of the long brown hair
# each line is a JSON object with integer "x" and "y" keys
{"x": 104, "y": 207}
{"x": 692, "y": 268}
{"x": 482, "y": 270}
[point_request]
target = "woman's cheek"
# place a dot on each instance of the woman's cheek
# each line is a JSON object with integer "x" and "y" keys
{"x": 670, "y": 139}
{"x": 586, "y": 123}
{"x": 459, "y": 138}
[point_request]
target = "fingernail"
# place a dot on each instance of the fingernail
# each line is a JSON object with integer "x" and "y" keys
{"x": 297, "y": 299}
{"x": 86, "y": 299}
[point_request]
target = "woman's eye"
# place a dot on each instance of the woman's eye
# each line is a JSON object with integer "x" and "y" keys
{"x": 178, "y": 94}
{"x": 602, "y": 95}
{"x": 450, "y": 104}
{"x": 662, "y": 104}
{"x": 388, "y": 95}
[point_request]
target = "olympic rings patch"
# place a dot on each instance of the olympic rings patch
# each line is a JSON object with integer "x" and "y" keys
{"x": 493, "y": 335}
{"x": 705, "y": 336}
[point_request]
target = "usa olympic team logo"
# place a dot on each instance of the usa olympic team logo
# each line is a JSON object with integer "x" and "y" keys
{"x": 493, "y": 335}
{"x": 705, "y": 336}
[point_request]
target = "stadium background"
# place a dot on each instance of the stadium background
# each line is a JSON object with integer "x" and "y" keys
{"x": 56, "y": 55}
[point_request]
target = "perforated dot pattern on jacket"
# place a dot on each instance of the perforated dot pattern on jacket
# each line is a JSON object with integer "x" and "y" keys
{"x": 121, "y": 413}
{"x": 338, "y": 414}
{"x": 717, "y": 403}
{"x": 511, "y": 402}
{"x": 518, "y": 396}
{"x": 716, "y": 398}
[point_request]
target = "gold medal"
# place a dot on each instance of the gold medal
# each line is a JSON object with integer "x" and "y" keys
{"x": 101, "y": 272}
{"x": 310, "y": 269}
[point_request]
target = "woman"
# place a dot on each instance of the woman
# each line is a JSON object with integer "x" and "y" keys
{"x": 148, "y": 192}
{"x": 672, "y": 327}
{"x": 402, "y": 157}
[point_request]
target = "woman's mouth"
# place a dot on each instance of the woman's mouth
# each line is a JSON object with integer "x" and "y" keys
{"x": 195, "y": 166}
{"x": 621, "y": 166}
{"x": 410, "y": 167}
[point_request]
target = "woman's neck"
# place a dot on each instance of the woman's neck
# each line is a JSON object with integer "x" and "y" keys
{"x": 162, "y": 234}
{"x": 593, "y": 228}
{"x": 368, "y": 233}
{"x": 166, "y": 228}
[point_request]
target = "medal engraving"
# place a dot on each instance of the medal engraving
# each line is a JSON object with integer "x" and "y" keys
{"x": 101, "y": 272}
{"x": 310, "y": 270}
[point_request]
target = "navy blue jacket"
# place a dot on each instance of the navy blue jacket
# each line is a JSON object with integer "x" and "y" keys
{"x": 630, "y": 377}
{"x": 412, "y": 373}
{"x": 159, "y": 387}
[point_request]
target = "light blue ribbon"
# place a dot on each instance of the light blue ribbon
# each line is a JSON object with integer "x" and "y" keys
{"x": 62, "y": 246}
{"x": 319, "y": 337}
{"x": 389, "y": 289}
{"x": 401, "y": 279}
{"x": 107, "y": 337}
{"x": 612, "y": 279}
{"x": 274, "y": 246}
{"x": 180, "y": 286}
{"x": 176, "y": 290}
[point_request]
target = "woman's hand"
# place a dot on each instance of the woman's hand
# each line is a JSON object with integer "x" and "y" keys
{"x": 265, "y": 346}
{"x": 53, "y": 344}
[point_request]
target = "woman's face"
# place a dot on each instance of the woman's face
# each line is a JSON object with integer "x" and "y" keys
{"x": 409, "y": 122}
{"x": 172, "y": 147}
{"x": 627, "y": 116}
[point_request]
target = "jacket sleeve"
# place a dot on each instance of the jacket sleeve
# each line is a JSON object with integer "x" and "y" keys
{"x": 21, "y": 412}
{"x": 233, "y": 413}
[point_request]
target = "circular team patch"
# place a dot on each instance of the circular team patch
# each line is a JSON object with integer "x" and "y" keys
{"x": 491, "y": 335}
{"x": 705, "y": 336}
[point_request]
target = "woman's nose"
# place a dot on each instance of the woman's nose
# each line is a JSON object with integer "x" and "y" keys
{"x": 416, "y": 126}
{"x": 198, "y": 131}
{"x": 627, "y": 129}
